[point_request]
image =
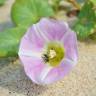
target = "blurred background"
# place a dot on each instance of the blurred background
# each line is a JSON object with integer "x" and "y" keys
{"x": 17, "y": 15}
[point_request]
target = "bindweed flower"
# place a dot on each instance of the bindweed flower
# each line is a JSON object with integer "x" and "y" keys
{"x": 48, "y": 51}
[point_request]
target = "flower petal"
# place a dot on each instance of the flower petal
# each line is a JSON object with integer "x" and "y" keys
{"x": 70, "y": 45}
{"x": 58, "y": 73}
{"x": 28, "y": 49}
{"x": 33, "y": 67}
{"x": 53, "y": 29}
{"x": 34, "y": 38}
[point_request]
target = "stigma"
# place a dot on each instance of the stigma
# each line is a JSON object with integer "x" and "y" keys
{"x": 52, "y": 53}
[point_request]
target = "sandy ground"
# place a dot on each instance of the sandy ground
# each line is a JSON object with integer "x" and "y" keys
{"x": 80, "y": 82}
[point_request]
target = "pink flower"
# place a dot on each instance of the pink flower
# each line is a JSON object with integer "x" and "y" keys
{"x": 48, "y": 51}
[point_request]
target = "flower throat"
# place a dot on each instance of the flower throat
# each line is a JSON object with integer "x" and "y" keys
{"x": 54, "y": 54}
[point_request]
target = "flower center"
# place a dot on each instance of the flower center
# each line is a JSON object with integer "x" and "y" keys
{"x": 54, "y": 53}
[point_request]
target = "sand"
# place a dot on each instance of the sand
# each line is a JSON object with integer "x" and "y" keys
{"x": 80, "y": 82}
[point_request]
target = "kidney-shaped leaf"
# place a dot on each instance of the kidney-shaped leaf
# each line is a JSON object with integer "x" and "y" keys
{"x": 9, "y": 41}
{"x": 30, "y": 11}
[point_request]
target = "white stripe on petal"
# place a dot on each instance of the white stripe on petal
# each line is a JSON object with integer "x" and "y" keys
{"x": 69, "y": 60}
{"x": 64, "y": 37}
{"x": 65, "y": 24}
{"x": 40, "y": 33}
{"x": 30, "y": 53}
{"x": 45, "y": 72}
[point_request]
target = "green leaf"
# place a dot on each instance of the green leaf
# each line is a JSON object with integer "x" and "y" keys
{"x": 86, "y": 21}
{"x": 30, "y": 11}
{"x": 2, "y": 2}
{"x": 9, "y": 41}
{"x": 55, "y": 5}
{"x": 93, "y": 1}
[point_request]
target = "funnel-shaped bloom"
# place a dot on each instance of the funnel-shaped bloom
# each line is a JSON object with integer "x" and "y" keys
{"x": 48, "y": 51}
